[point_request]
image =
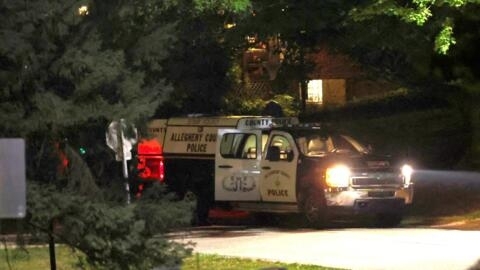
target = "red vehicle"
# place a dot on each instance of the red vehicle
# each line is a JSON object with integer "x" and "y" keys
{"x": 150, "y": 164}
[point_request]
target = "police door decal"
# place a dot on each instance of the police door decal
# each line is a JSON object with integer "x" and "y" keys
{"x": 278, "y": 169}
{"x": 237, "y": 161}
{"x": 239, "y": 183}
{"x": 273, "y": 181}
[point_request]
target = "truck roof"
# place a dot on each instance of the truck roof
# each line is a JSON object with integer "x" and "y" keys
{"x": 304, "y": 126}
{"x": 236, "y": 121}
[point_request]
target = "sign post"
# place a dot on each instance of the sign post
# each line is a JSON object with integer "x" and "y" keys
{"x": 120, "y": 137}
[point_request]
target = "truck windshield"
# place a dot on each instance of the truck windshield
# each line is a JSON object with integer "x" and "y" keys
{"x": 319, "y": 145}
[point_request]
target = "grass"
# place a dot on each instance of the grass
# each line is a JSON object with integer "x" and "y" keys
{"x": 67, "y": 259}
{"x": 447, "y": 200}
{"x": 38, "y": 258}
{"x": 437, "y": 203}
{"x": 208, "y": 262}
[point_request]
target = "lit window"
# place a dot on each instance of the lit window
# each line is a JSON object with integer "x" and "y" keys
{"x": 315, "y": 92}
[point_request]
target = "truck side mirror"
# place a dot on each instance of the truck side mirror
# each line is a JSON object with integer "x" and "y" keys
{"x": 273, "y": 153}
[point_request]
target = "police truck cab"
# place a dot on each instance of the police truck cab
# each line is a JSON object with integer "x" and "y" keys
{"x": 309, "y": 170}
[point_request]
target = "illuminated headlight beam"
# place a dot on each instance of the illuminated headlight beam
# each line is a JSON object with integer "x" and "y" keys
{"x": 407, "y": 172}
{"x": 338, "y": 176}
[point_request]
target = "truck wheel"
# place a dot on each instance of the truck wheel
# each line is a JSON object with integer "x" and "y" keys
{"x": 388, "y": 220}
{"x": 315, "y": 210}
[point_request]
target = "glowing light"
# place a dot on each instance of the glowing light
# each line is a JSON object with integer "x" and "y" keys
{"x": 338, "y": 176}
{"x": 251, "y": 39}
{"x": 230, "y": 25}
{"x": 315, "y": 91}
{"x": 407, "y": 171}
{"x": 83, "y": 10}
{"x": 149, "y": 147}
{"x": 150, "y": 160}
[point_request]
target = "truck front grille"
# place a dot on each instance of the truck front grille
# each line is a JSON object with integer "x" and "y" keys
{"x": 376, "y": 181}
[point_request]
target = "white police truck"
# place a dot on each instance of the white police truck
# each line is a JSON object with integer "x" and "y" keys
{"x": 277, "y": 165}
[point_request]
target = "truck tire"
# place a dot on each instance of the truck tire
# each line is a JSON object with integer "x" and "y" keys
{"x": 202, "y": 212}
{"x": 315, "y": 210}
{"x": 388, "y": 220}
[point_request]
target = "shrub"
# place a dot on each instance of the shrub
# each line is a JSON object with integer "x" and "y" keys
{"x": 112, "y": 235}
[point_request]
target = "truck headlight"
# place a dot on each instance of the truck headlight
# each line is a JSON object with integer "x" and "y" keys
{"x": 407, "y": 171}
{"x": 338, "y": 176}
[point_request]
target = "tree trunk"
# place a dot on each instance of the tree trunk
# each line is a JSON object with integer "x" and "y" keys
{"x": 51, "y": 246}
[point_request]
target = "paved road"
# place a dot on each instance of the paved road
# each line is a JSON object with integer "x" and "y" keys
{"x": 350, "y": 248}
{"x": 446, "y": 177}
{"x": 353, "y": 248}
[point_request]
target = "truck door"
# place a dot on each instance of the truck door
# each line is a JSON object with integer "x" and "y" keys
{"x": 279, "y": 168}
{"x": 237, "y": 160}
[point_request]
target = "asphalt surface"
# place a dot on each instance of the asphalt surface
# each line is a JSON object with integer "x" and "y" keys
{"x": 447, "y": 246}
{"x": 347, "y": 248}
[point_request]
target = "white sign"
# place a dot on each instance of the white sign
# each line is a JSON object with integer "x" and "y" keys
{"x": 120, "y": 138}
{"x": 12, "y": 178}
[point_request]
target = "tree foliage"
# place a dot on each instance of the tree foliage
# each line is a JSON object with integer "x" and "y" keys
{"x": 434, "y": 39}
{"x": 419, "y": 12}
{"x": 438, "y": 53}
{"x": 56, "y": 71}
{"x": 201, "y": 58}
{"x": 68, "y": 68}
{"x": 424, "y": 45}
{"x": 113, "y": 236}
{"x": 235, "y": 6}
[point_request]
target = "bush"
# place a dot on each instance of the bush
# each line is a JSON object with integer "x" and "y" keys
{"x": 398, "y": 102}
{"x": 112, "y": 235}
{"x": 419, "y": 127}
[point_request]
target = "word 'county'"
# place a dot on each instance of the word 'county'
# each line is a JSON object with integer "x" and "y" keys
{"x": 267, "y": 122}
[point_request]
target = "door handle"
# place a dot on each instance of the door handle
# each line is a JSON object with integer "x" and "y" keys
{"x": 225, "y": 166}
{"x": 266, "y": 168}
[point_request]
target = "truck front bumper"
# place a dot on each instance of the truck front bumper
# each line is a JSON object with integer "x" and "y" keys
{"x": 370, "y": 207}
{"x": 372, "y": 201}
{"x": 376, "y": 206}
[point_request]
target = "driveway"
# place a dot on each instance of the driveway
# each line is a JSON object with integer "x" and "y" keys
{"x": 348, "y": 248}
